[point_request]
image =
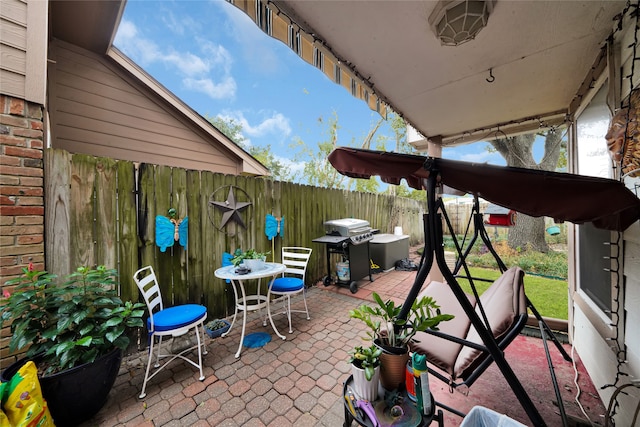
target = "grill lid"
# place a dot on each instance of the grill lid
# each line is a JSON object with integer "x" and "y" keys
{"x": 346, "y": 227}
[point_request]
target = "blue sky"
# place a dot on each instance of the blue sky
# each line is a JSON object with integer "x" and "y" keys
{"x": 213, "y": 57}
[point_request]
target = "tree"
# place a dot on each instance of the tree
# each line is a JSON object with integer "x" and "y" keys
{"x": 317, "y": 169}
{"x": 529, "y": 232}
{"x": 264, "y": 155}
{"x": 230, "y": 127}
{"x": 233, "y": 130}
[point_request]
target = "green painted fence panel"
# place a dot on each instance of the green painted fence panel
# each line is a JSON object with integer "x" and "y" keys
{"x": 195, "y": 251}
{"x": 146, "y": 215}
{"x": 178, "y": 201}
{"x": 109, "y": 214}
{"x": 106, "y": 233}
{"x": 127, "y": 231}
{"x": 164, "y": 260}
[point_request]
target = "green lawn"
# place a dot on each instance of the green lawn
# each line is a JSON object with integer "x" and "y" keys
{"x": 549, "y": 296}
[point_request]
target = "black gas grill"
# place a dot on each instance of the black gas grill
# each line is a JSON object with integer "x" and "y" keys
{"x": 349, "y": 238}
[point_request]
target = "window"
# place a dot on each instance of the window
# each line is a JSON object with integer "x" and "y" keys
{"x": 593, "y": 245}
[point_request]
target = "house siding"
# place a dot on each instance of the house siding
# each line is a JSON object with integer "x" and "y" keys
{"x": 23, "y": 44}
{"x": 13, "y": 47}
{"x": 595, "y": 338}
{"x": 95, "y": 108}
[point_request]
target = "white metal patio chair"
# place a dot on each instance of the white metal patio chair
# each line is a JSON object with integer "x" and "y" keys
{"x": 290, "y": 283}
{"x": 168, "y": 322}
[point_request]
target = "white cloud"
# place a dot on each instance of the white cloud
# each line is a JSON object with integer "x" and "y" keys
{"x": 173, "y": 24}
{"x": 208, "y": 73}
{"x": 187, "y": 63}
{"x": 476, "y": 153}
{"x": 179, "y": 25}
{"x": 126, "y": 31}
{"x": 223, "y": 90}
{"x": 292, "y": 167}
{"x": 216, "y": 54}
{"x": 481, "y": 157}
{"x": 275, "y": 124}
{"x": 256, "y": 46}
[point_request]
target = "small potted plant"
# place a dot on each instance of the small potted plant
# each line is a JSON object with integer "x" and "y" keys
{"x": 252, "y": 259}
{"x": 365, "y": 367}
{"x": 216, "y": 327}
{"x": 75, "y": 330}
{"x": 393, "y": 334}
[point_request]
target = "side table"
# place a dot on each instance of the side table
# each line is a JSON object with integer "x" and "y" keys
{"x": 420, "y": 421}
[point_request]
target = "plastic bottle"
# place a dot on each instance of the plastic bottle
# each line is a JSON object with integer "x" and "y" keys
{"x": 421, "y": 377}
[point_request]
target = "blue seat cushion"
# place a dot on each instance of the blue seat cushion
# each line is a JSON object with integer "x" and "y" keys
{"x": 287, "y": 284}
{"x": 177, "y": 317}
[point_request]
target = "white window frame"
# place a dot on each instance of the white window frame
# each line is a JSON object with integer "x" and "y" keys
{"x": 600, "y": 319}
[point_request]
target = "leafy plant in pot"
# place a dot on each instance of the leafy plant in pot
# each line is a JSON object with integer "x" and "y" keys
{"x": 251, "y": 258}
{"x": 393, "y": 334}
{"x": 365, "y": 362}
{"x": 216, "y": 327}
{"x": 75, "y": 330}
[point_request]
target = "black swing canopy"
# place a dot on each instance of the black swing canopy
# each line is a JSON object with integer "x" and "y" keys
{"x": 607, "y": 203}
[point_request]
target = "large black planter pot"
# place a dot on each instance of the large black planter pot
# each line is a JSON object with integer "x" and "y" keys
{"x": 75, "y": 395}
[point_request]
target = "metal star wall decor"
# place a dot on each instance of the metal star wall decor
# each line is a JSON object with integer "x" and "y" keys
{"x": 230, "y": 208}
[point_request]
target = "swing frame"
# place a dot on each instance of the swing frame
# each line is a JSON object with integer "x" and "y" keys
{"x": 485, "y": 359}
{"x": 567, "y": 197}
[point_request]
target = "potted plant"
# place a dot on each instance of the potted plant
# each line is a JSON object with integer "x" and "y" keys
{"x": 393, "y": 334}
{"x": 75, "y": 330}
{"x": 252, "y": 259}
{"x": 365, "y": 367}
{"x": 216, "y": 327}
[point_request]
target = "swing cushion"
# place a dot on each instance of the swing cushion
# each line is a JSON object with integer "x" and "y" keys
{"x": 441, "y": 352}
{"x": 502, "y": 302}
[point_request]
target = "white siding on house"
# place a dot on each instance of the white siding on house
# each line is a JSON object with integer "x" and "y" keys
{"x": 596, "y": 352}
{"x": 632, "y": 297}
{"x": 601, "y": 364}
{"x": 96, "y": 108}
{"x": 631, "y": 237}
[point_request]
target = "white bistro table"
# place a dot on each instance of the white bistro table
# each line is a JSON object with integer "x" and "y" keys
{"x": 246, "y": 302}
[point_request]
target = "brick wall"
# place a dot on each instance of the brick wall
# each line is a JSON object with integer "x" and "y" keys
{"x": 21, "y": 187}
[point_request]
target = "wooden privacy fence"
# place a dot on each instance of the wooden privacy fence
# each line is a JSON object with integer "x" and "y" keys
{"x": 459, "y": 212}
{"x": 102, "y": 211}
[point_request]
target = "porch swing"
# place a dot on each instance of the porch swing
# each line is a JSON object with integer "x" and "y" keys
{"x": 481, "y": 331}
{"x": 456, "y": 348}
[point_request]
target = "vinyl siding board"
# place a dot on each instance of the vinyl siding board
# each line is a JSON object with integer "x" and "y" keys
{"x": 106, "y": 145}
{"x": 23, "y": 44}
{"x": 12, "y": 83}
{"x": 35, "y": 87}
{"x": 96, "y": 108}
{"x": 13, "y": 34}
{"x": 12, "y": 59}
{"x": 123, "y": 124}
{"x": 632, "y": 296}
{"x": 128, "y": 120}
{"x": 15, "y": 11}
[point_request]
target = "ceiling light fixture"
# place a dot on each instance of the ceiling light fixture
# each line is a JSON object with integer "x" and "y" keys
{"x": 458, "y": 21}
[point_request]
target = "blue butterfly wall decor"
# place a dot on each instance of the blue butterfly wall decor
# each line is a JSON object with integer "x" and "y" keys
{"x": 171, "y": 230}
{"x": 274, "y": 226}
